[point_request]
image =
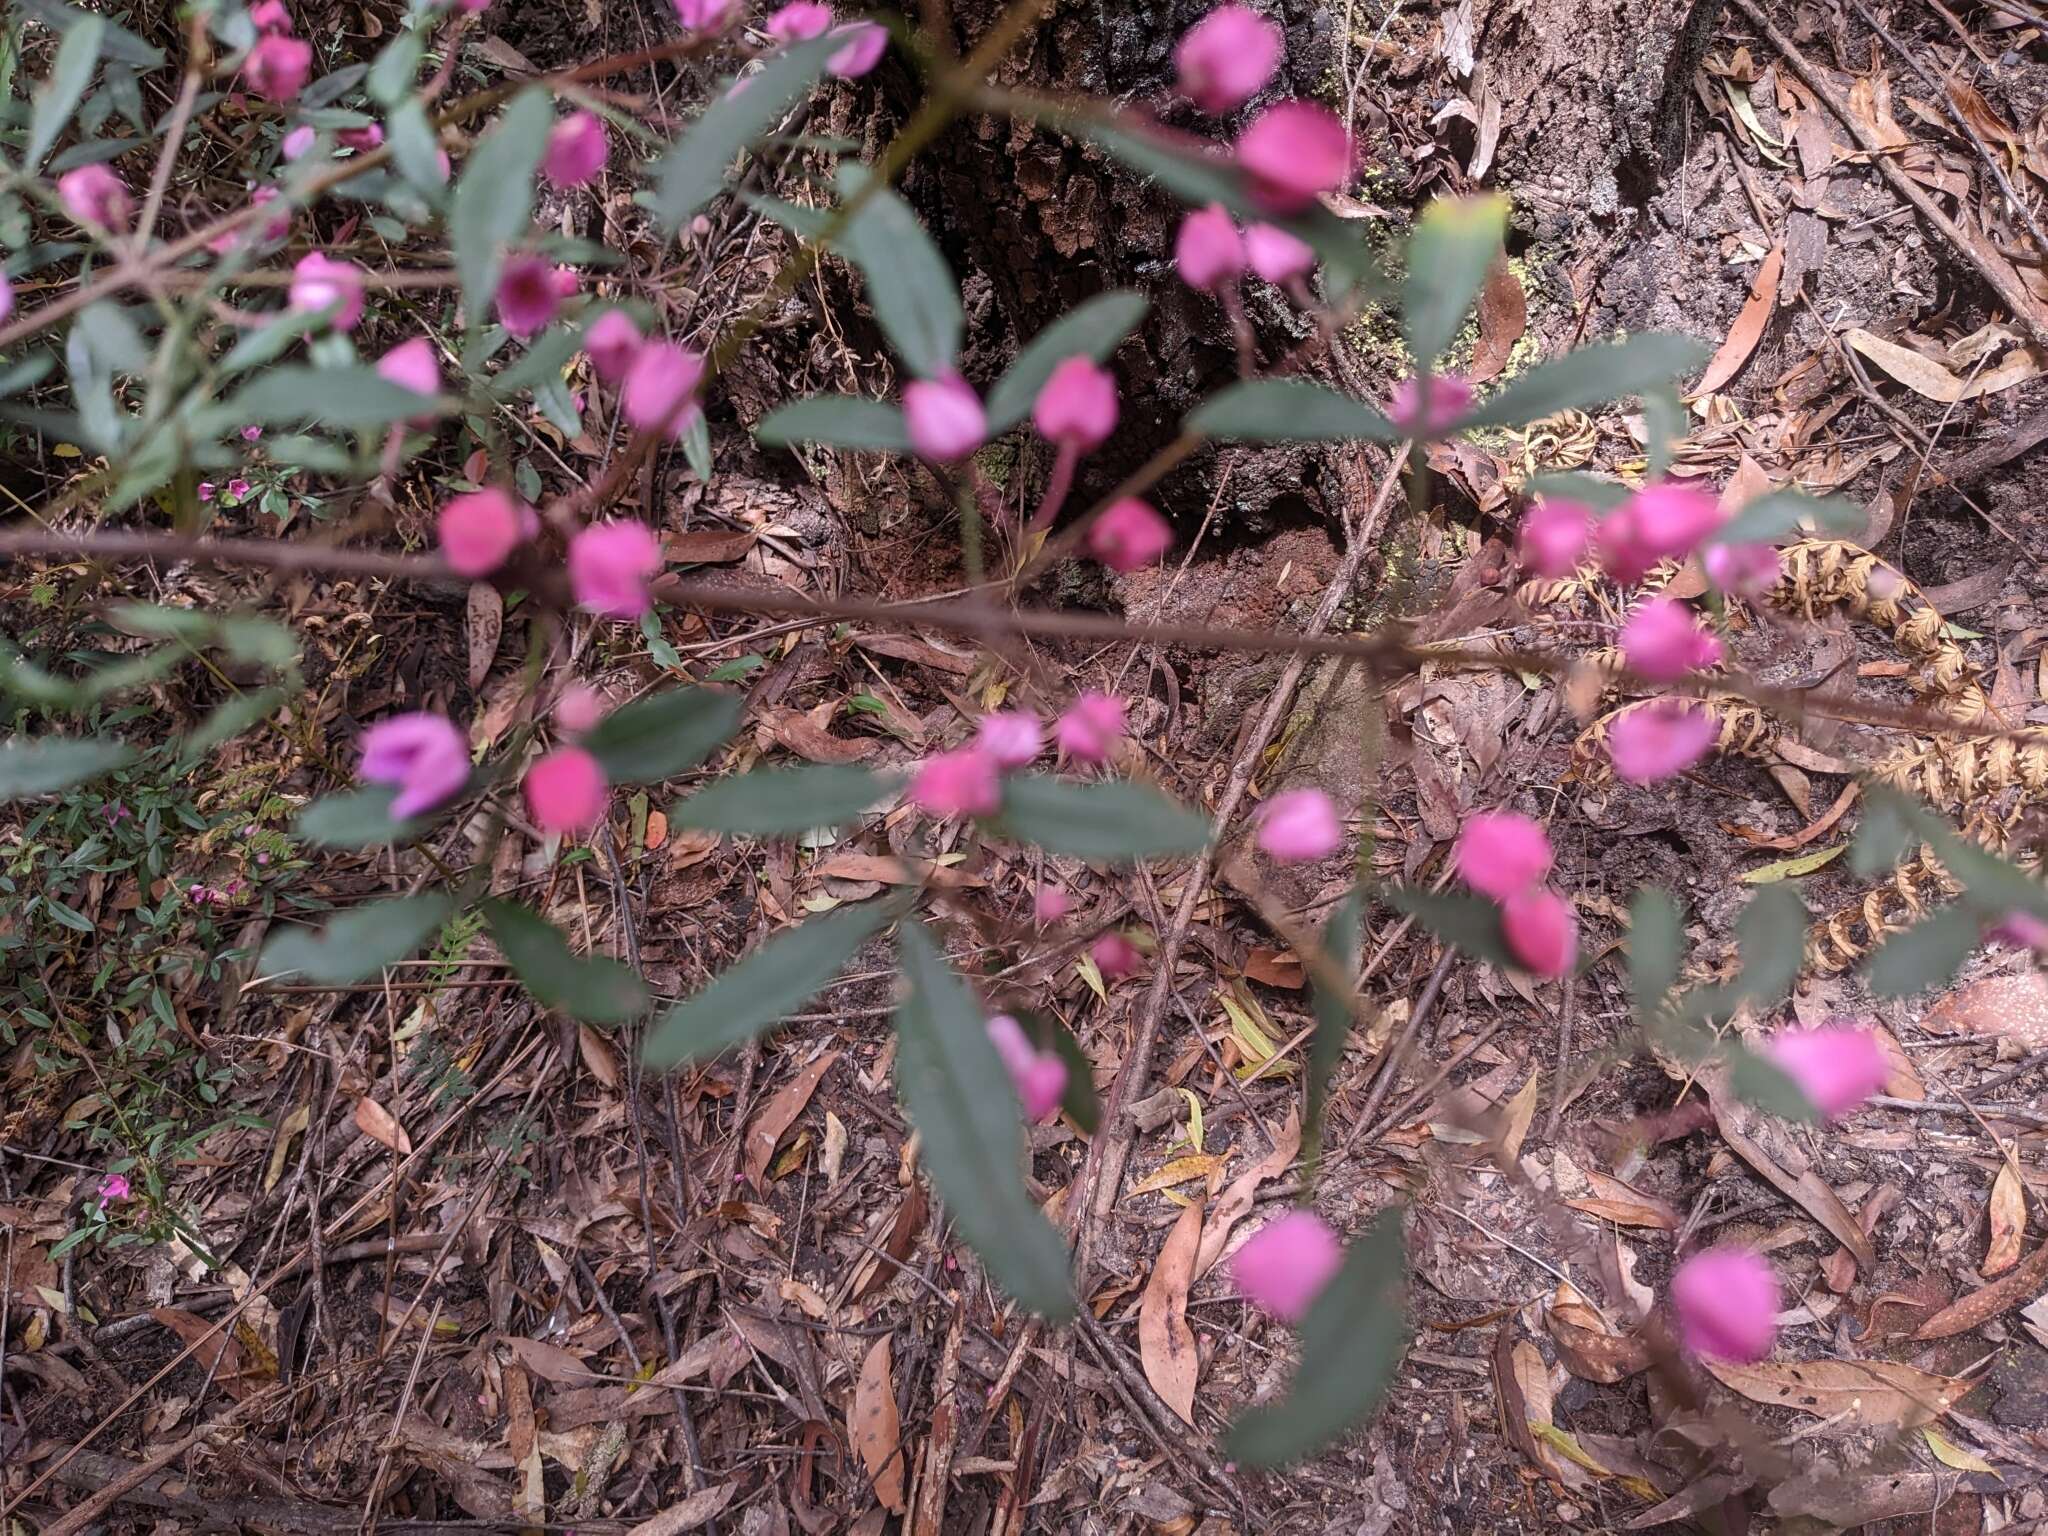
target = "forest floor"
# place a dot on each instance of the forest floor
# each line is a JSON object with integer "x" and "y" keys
{"x": 479, "y": 1272}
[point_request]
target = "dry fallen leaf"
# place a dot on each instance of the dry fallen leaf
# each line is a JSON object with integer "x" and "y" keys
{"x": 377, "y": 1123}
{"x": 2008, "y": 1220}
{"x": 876, "y": 1431}
{"x": 1863, "y": 1394}
{"x": 598, "y": 1056}
{"x": 1624, "y": 1204}
{"x": 1503, "y": 319}
{"x": 1166, "y": 1344}
{"x": 280, "y": 1150}
{"x": 1589, "y": 1348}
{"x": 2013, "y": 1006}
{"x": 551, "y": 1362}
{"x": 1748, "y": 328}
{"x": 1746, "y": 1131}
{"x": 485, "y": 622}
{"x": 1987, "y": 1301}
{"x": 1930, "y": 380}
{"x": 1514, "y": 1127}
{"x": 779, "y": 1113}
{"x": 694, "y": 1511}
{"x": 706, "y": 546}
{"x": 1180, "y": 1171}
{"x": 1236, "y": 1201}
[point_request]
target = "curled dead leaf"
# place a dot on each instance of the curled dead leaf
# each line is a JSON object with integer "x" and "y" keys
{"x": 381, "y": 1126}
{"x": 2008, "y": 1219}
{"x": 1166, "y": 1344}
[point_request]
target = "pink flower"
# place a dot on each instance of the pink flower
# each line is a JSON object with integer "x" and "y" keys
{"x": 1501, "y": 853}
{"x": 866, "y": 42}
{"x": 479, "y": 530}
{"x": 6, "y": 297}
{"x": 114, "y": 1186}
{"x": 1013, "y": 737}
{"x": 1450, "y": 397}
{"x": 613, "y": 341}
{"x": 412, "y": 365}
{"x": 706, "y": 15}
{"x": 1049, "y": 904}
{"x": 319, "y": 283}
{"x": 1541, "y": 930}
{"x": 576, "y": 150}
{"x": 238, "y": 488}
{"x": 1226, "y": 58}
{"x": 660, "y": 392}
{"x": 1836, "y": 1066}
{"x": 92, "y": 194}
{"x": 1555, "y": 537}
{"x": 1040, "y": 1077}
{"x": 1286, "y": 1263}
{"x": 1077, "y": 407}
{"x": 277, "y": 66}
{"x": 1115, "y": 956}
{"x": 610, "y": 565}
{"x": 1743, "y": 570}
{"x": 361, "y": 139}
{"x": 1662, "y": 642}
{"x": 251, "y": 434}
{"x": 1299, "y": 825}
{"x": 799, "y": 21}
{"x": 527, "y": 298}
{"x": 579, "y": 708}
{"x": 298, "y": 141}
{"x": 1208, "y": 252}
{"x": 963, "y": 782}
{"x": 565, "y": 792}
{"x": 2019, "y": 930}
{"x": 1292, "y": 151}
{"x": 945, "y": 418}
{"x": 423, "y": 754}
{"x": 270, "y": 16}
{"x": 1277, "y": 256}
{"x": 1091, "y": 725}
{"x": 1129, "y": 534}
{"x": 205, "y": 490}
{"x": 1657, "y": 740}
{"x": 1665, "y": 521}
{"x": 1727, "y": 1304}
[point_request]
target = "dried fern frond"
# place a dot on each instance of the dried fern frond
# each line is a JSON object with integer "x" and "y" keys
{"x": 1818, "y": 573}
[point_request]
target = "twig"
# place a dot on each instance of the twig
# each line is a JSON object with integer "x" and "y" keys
{"x": 1566, "y": 1007}
{"x": 87, "y": 1512}
{"x": 174, "y": 131}
{"x": 1430, "y": 1084}
{"x": 1390, "y": 1058}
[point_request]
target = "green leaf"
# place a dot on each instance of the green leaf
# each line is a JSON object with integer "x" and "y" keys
{"x": 663, "y": 734}
{"x": 959, "y": 1098}
{"x": 1351, "y": 1342}
{"x": 1114, "y": 820}
{"x": 1656, "y": 948}
{"x": 58, "y": 97}
{"x": 233, "y": 717}
{"x": 837, "y": 421}
{"x": 120, "y": 45}
{"x": 780, "y": 802}
{"x": 1883, "y": 834}
{"x": 390, "y": 79}
{"x": 594, "y": 988}
{"x": 357, "y": 818}
{"x": 39, "y": 766}
{"x": 336, "y": 397}
{"x": 1454, "y": 243}
{"x": 1924, "y": 956}
{"x": 909, "y": 285}
{"x": 772, "y": 982}
{"x": 1770, "y": 938}
{"x": 1792, "y": 868}
{"x": 1288, "y": 411}
{"x": 493, "y": 201}
{"x": 1600, "y": 495}
{"x": 1664, "y": 427}
{"x": 1079, "y": 1103}
{"x": 415, "y": 147}
{"x": 1759, "y": 1081}
{"x": 1333, "y": 1018}
{"x": 1588, "y": 376}
{"x": 689, "y": 175}
{"x": 357, "y": 943}
{"x": 1470, "y": 923}
{"x": 1773, "y": 517}
{"x": 1094, "y": 328}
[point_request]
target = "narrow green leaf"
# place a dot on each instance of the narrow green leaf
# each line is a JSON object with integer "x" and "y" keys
{"x": 1115, "y": 820}
{"x": 40, "y": 766}
{"x": 416, "y": 148}
{"x": 1079, "y": 1103}
{"x": 1094, "y": 328}
{"x": 357, "y": 943}
{"x": 1924, "y": 956}
{"x": 1883, "y": 834}
{"x": 595, "y": 988}
{"x": 357, "y": 818}
{"x": 959, "y": 1098}
{"x": 493, "y": 201}
{"x": 910, "y": 287}
{"x": 1588, "y": 376}
{"x": 689, "y": 175}
{"x": 1333, "y": 1018}
{"x": 772, "y": 982}
{"x": 58, "y": 97}
{"x": 120, "y": 44}
{"x": 780, "y": 802}
{"x": 1770, "y": 938}
{"x": 336, "y": 397}
{"x": 1454, "y": 243}
{"x": 1351, "y": 1342}
{"x": 837, "y": 421}
{"x": 1778, "y": 515}
{"x": 1470, "y": 923}
{"x": 1656, "y": 948}
{"x": 1288, "y": 411}
{"x": 663, "y": 734}
{"x": 233, "y": 717}
{"x": 1664, "y": 426}
{"x": 1759, "y": 1081}
{"x": 1792, "y": 868}
{"x": 389, "y": 80}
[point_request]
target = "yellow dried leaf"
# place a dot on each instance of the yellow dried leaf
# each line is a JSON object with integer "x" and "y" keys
{"x": 294, "y": 1124}
{"x": 1085, "y": 969}
{"x": 1194, "y": 1118}
{"x": 1182, "y": 1170}
{"x": 1949, "y": 1454}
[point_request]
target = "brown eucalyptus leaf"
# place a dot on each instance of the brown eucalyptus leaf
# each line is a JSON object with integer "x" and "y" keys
{"x": 1166, "y": 1344}
{"x": 1864, "y": 1394}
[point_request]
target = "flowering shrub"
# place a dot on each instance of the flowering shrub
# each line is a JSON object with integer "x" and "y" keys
{"x": 167, "y": 402}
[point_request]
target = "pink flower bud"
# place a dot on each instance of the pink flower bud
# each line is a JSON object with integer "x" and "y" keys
{"x": 799, "y": 21}
{"x": 205, "y": 490}
{"x": 478, "y": 531}
{"x": 565, "y": 792}
{"x": 1091, "y": 725}
{"x": 115, "y": 1186}
{"x": 298, "y": 141}
{"x": 251, "y": 434}
{"x": 1656, "y": 740}
{"x": 1665, "y": 521}
{"x": 319, "y": 283}
{"x": 1501, "y": 853}
{"x": 1129, "y": 534}
{"x": 92, "y": 194}
{"x": 1284, "y": 1266}
{"x": 527, "y": 297}
{"x": 1077, "y": 407}
{"x": 1663, "y": 642}
{"x": 706, "y": 15}
{"x": 6, "y": 297}
{"x": 270, "y": 16}
{"x": 1836, "y": 1066}
{"x": 1115, "y": 956}
{"x": 423, "y": 754}
{"x": 613, "y": 342}
{"x": 866, "y": 42}
{"x": 238, "y": 488}
{"x": 1293, "y": 151}
{"x": 963, "y": 782}
{"x": 1049, "y": 904}
{"x": 610, "y": 565}
{"x": 1556, "y": 536}
{"x": 2019, "y": 930}
{"x": 945, "y": 418}
{"x": 362, "y": 140}
{"x": 277, "y": 66}
{"x": 1040, "y": 1077}
{"x": 1743, "y": 570}
{"x": 1277, "y": 256}
{"x": 412, "y": 365}
{"x": 1208, "y": 251}
{"x": 1450, "y": 397}
{"x": 660, "y": 392}
{"x": 1226, "y": 58}
{"x": 1727, "y": 1304}
{"x": 1013, "y": 737}
{"x": 1541, "y": 930}
{"x": 579, "y": 708}
{"x": 1300, "y": 825}
{"x": 576, "y": 150}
